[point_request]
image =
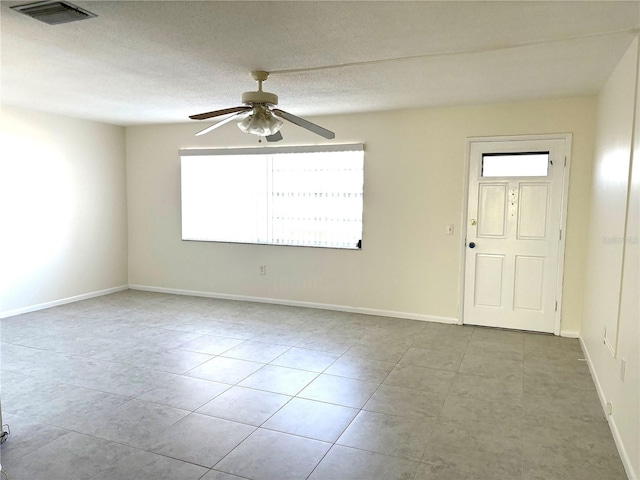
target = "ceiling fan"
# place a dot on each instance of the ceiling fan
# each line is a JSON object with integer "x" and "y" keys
{"x": 258, "y": 115}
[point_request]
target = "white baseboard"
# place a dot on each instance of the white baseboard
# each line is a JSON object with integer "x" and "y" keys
{"x": 244, "y": 298}
{"x": 594, "y": 376}
{"x": 624, "y": 456}
{"x": 296, "y": 303}
{"x": 569, "y": 334}
{"x": 62, "y": 301}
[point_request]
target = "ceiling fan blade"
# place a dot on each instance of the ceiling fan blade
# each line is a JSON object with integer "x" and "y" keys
{"x": 276, "y": 137}
{"x": 220, "y": 123}
{"x": 301, "y": 122}
{"x": 217, "y": 113}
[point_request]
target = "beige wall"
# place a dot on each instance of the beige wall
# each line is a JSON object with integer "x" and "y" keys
{"x": 612, "y": 277}
{"x": 414, "y": 169}
{"x": 63, "y": 209}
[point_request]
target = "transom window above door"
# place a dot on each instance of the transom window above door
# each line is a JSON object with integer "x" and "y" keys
{"x": 521, "y": 164}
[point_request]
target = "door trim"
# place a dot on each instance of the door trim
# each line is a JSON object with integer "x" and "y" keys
{"x": 567, "y": 137}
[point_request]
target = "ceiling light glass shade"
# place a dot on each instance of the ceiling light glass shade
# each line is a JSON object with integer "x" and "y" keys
{"x": 260, "y": 122}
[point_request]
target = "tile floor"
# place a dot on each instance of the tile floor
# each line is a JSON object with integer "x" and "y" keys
{"x": 140, "y": 385}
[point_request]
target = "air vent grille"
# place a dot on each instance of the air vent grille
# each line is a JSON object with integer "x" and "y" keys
{"x": 54, "y": 13}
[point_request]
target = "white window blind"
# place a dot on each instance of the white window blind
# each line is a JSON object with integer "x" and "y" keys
{"x": 303, "y": 196}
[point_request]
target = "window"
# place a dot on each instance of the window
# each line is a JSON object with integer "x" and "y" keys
{"x": 304, "y": 196}
{"x": 529, "y": 164}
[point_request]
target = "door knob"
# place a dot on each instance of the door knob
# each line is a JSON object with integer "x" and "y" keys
{"x": 472, "y": 221}
{"x": 472, "y": 245}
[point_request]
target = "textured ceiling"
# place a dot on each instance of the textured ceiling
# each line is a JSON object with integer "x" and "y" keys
{"x": 155, "y": 62}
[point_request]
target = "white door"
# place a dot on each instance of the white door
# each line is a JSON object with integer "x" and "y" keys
{"x": 513, "y": 236}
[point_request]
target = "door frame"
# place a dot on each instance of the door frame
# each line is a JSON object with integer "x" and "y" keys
{"x": 567, "y": 137}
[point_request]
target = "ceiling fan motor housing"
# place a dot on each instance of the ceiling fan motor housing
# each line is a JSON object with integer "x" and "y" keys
{"x": 259, "y": 98}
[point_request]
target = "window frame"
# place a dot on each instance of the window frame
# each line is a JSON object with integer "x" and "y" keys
{"x": 268, "y": 151}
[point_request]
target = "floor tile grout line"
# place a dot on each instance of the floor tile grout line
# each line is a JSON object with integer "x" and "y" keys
{"x": 100, "y": 360}
{"x": 129, "y": 397}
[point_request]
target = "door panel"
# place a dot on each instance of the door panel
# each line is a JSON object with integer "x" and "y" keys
{"x": 533, "y": 209}
{"x": 489, "y": 294}
{"x": 529, "y": 283}
{"x": 514, "y": 225}
{"x": 492, "y": 210}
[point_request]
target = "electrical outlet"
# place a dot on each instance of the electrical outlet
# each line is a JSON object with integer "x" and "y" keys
{"x": 623, "y": 368}
{"x": 263, "y": 269}
{"x": 450, "y": 229}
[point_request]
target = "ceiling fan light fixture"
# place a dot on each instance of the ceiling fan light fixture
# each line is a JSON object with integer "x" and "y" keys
{"x": 257, "y": 116}
{"x": 261, "y": 122}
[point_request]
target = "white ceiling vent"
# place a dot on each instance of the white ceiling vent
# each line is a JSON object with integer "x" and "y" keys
{"x": 53, "y": 12}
